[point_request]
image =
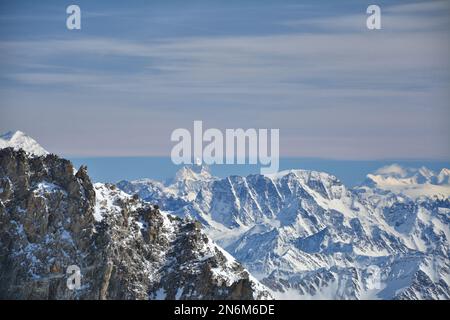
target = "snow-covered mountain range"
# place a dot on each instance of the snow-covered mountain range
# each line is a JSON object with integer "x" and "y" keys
{"x": 303, "y": 234}
{"x": 306, "y": 235}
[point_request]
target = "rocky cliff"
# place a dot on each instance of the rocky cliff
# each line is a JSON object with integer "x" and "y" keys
{"x": 53, "y": 217}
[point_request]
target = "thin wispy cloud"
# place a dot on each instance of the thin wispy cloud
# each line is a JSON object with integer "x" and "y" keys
{"x": 427, "y": 16}
{"x": 310, "y": 83}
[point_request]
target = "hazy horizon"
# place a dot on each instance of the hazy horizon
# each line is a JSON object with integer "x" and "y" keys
{"x": 350, "y": 172}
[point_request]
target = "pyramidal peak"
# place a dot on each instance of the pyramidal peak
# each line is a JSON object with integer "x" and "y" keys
{"x": 443, "y": 177}
{"x": 20, "y": 140}
{"x": 194, "y": 172}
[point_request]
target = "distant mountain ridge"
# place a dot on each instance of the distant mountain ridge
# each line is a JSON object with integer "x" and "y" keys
{"x": 413, "y": 182}
{"x": 305, "y": 235}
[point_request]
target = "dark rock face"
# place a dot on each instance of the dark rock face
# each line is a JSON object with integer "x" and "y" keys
{"x": 52, "y": 218}
{"x": 46, "y": 224}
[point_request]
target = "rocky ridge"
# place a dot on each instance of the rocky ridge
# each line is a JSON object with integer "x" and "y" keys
{"x": 52, "y": 217}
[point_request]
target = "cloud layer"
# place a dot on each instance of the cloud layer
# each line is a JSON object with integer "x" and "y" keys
{"x": 332, "y": 87}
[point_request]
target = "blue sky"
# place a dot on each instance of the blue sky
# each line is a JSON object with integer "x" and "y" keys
{"x": 137, "y": 70}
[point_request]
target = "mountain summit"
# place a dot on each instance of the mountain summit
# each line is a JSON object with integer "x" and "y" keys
{"x": 19, "y": 140}
{"x": 413, "y": 182}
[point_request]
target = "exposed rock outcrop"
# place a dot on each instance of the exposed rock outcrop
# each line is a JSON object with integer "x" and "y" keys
{"x": 52, "y": 217}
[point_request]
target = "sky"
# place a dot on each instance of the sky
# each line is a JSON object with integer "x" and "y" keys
{"x": 137, "y": 70}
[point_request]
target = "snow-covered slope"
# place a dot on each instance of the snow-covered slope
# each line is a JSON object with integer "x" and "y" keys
{"x": 19, "y": 140}
{"x": 305, "y": 235}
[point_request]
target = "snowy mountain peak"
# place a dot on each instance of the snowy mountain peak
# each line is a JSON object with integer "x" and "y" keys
{"x": 413, "y": 182}
{"x": 19, "y": 140}
{"x": 395, "y": 174}
{"x": 443, "y": 176}
{"x": 394, "y": 170}
{"x": 193, "y": 173}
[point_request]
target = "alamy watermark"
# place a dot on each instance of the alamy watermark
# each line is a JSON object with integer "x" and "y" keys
{"x": 73, "y": 21}
{"x": 373, "y": 22}
{"x": 73, "y": 277}
{"x": 235, "y": 146}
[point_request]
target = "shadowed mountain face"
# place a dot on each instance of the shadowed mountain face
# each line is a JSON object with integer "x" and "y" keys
{"x": 305, "y": 235}
{"x": 53, "y": 217}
